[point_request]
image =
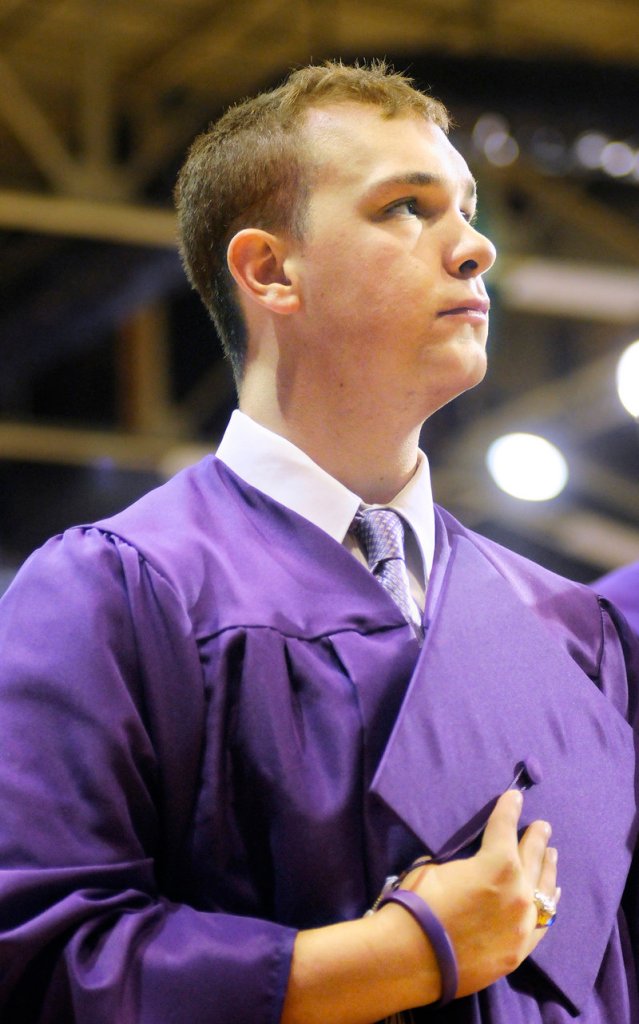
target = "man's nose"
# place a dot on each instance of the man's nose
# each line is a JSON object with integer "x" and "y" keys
{"x": 475, "y": 255}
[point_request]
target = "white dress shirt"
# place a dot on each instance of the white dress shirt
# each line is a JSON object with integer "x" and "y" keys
{"x": 285, "y": 473}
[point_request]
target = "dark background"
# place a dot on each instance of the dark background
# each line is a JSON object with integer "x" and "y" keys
{"x": 110, "y": 373}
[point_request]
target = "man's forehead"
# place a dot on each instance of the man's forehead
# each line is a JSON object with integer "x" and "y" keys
{"x": 351, "y": 140}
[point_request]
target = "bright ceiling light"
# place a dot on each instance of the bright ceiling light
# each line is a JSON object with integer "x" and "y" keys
{"x": 618, "y": 159}
{"x": 501, "y": 149}
{"x": 589, "y": 148}
{"x": 527, "y": 466}
{"x": 628, "y": 379}
{"x": 487, "y": 125}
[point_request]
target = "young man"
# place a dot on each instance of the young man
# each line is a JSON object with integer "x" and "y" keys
{"x": 221, "y": 733}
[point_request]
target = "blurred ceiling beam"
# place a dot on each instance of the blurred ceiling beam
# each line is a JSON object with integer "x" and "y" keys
{"x": 225, "y": 31}
{"x": 569, "y": 288}
{"x": 99, "y": 174}
{"x": 566, "y": 202}
{"x": 594, "y": 538}
{"x": 64, "y": 446}
{"x": 164, "y": 108}
{"x": 93, "y": 172}
{"x": 34, "y": 129}
{"x": 590, "y": 537}
{"x": 87, "y": 218}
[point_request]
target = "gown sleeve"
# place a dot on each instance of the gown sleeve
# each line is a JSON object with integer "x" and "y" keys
{"x": 101, "y": 731}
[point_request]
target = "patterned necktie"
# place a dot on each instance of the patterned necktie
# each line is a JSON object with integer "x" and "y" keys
{"x": 380, "y": 531}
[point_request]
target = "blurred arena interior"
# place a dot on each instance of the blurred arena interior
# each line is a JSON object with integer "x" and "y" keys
{"x": 111, "y": 378}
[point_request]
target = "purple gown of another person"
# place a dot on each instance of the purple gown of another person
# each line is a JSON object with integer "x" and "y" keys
{"x": 217, "y": 728}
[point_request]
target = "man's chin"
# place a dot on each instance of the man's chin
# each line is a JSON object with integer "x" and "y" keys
{"x": 472, "y": 365}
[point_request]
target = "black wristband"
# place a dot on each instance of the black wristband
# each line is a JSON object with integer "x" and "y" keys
{"x": 436, "y": 935}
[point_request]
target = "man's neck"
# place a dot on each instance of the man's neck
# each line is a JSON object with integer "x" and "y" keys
{"x": 372, "y": 463}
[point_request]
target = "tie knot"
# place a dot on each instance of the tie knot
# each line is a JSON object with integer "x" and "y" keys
{"x": 381, "y": 534}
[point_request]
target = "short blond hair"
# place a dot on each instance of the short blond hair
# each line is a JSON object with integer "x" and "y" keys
{"x": 251, "y": 168}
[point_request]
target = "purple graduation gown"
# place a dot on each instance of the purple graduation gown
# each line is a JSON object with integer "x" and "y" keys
{"x": 216, "y": 728}
{"x": 622, "y": 588}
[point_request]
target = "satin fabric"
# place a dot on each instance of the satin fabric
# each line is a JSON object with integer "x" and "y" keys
{"x": 217, "y": 728}
{"x": 622, "y": 588}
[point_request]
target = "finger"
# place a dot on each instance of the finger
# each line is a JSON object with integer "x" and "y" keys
{"x": 547, "y": 882}
{"x": 501, "y": 827}
{"x": 533, "y": 846}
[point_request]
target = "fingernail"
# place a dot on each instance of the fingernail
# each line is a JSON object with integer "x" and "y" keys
{"x": 552, "y": 854}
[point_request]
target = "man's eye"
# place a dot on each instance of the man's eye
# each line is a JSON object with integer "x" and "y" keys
{"x": 408, "y": 206}
{"x": 469, "y": 215}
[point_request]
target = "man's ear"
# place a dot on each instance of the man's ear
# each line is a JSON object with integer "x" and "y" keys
{"x": 256, "y": 259}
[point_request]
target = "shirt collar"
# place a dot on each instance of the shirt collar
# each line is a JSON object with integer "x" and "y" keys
{"x": 285, "y": 473}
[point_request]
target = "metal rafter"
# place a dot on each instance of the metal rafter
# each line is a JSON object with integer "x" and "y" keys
{"x": 216, "y": 39}
{"x": 566, "y": 202}
{"x": 87, "y": 218}
{"x": 28, "y": 122}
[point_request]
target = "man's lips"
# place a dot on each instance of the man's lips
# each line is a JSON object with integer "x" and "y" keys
{"x": 475, "y": 307}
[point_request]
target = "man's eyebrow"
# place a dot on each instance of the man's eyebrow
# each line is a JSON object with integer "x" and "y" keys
{"x": 421, "y": 179}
